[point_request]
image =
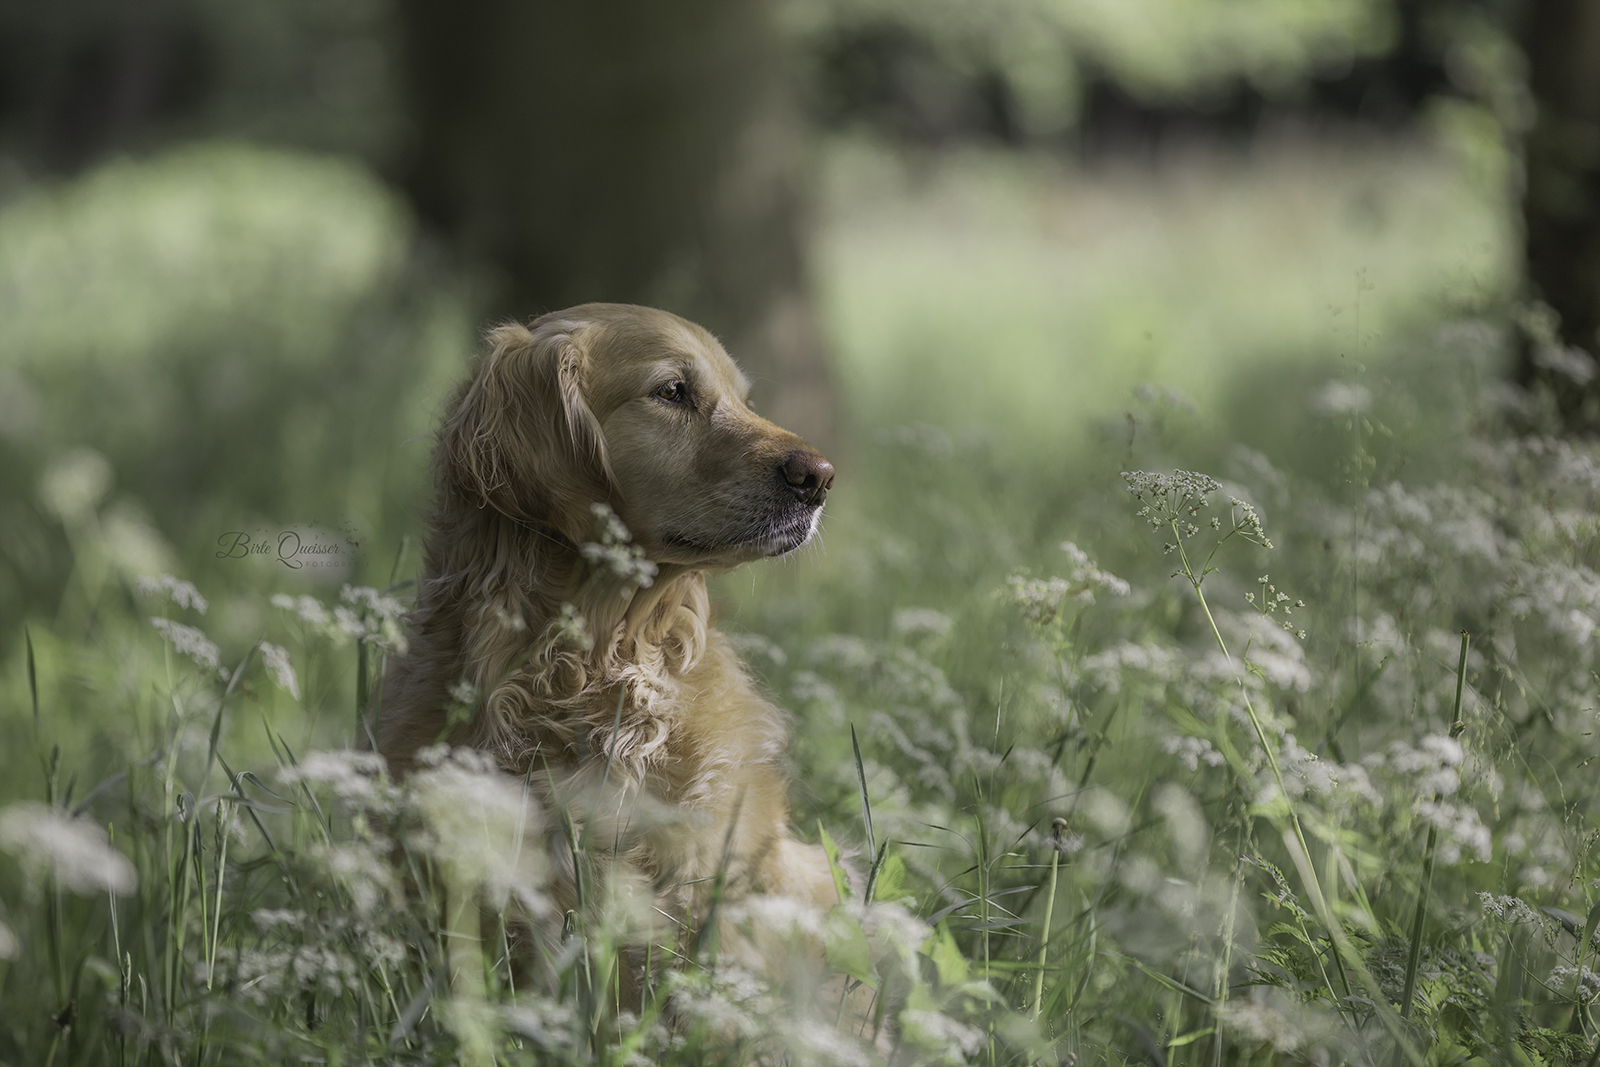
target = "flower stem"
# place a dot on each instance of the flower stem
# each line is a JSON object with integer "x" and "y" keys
{"x": 1049, "y": 913}
{"x": 1421, "y": 917}
{"x": 1267, "y": 749}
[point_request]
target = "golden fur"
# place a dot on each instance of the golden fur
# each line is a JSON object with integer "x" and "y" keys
{"x": 644, "y": 412}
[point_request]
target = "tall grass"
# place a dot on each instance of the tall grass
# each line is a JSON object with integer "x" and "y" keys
{"x": 1150, "y": 817}
{"x": 1089, "y": 800}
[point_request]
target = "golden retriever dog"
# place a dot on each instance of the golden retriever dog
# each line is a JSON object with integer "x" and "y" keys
{"x": 644, "y": 413}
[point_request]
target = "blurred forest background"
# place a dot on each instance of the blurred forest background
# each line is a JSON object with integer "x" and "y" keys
{"x": 244, "y": 246}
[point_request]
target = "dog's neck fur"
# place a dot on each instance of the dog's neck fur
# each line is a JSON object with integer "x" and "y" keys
{"x": 491, "y": 600}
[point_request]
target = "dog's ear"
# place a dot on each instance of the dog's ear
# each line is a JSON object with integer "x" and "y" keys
{"x": 521, "y": 437}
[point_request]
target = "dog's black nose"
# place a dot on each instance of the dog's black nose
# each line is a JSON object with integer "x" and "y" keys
{"x": 808, "y": 476}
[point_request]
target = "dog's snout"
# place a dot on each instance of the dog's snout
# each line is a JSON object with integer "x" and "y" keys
{"x": 807, "y": 475}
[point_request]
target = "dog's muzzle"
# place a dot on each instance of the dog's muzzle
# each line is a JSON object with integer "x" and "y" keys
{"x": 807, "y": 475}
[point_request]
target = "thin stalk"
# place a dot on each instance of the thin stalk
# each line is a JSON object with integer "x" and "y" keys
{"x": 1294, "y": 840}
{"x": 1261, "y": 738}
{"x": 1049, "y": 913}
{"x": 1220, "y": 982}
{"x": 1421, "y": 917}
{"x": 223, "y": 813}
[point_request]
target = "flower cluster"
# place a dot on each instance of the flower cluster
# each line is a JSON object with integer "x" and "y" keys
{"x": 75, "y": 853}
{"x": 1041, "y": 598}
{"x": 613, "y": 551}
{"x": 1273, "y": 600}
{"x": 276, "y": 657}
{"x": 1174, "y": 501}
{"x": 188, "y": 641}
{"x": 366, "y": 615}
{"x": 180, "y": 592}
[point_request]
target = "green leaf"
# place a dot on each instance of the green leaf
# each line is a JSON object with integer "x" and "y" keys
{"x": 841, "y": 882}
{"x": 947, "y": 959}
{"x": 1189, "y": 1038}
{"x": 847, "y": 948}
{"x": 891, "y": 884}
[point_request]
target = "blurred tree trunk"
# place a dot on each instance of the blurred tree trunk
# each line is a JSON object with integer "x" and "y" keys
{"x": 1561, "y": 205}
{"x": 623, "y": 150}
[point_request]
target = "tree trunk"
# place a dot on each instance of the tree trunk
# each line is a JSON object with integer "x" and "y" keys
{"x": 1561, "y": 205}
{"x": 628, "y": 151}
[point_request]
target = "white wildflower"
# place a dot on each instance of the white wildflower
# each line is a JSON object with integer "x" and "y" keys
{"x": 932, "y": 1030}
{"x": 1586, "y": 986}
{"x": 347, "y": 622}
{"x": 483, "y": 824}
{"x": 1173, "y": 502}
{"x": 1512, "y": 910}
{"x": 784, "y": 916}
{"x": 1108, "y": 669}
{"x": 908, "y": 622}
{"x": 811, "y": 1044}
{"x": 572, "y": 628}
{"x": 614, "y": 552}
{"x": 361, "y": 868}
{"x": 1305, "y": 773}
{"x": 1039, "y": 598}
{"x": 1157, "y": 395}
{"x": 267, "y": 918}
{"x": 893, "y": 928}
{"x": 190, "y": 642}
{"x": 1272, "y": 651}
{"x": 352, "y": 776}
{"x": 1567, "y": 361}
{"x": 308, "y": 608}
{"x": 1084, "y": 572}
{"x": 278, "y": 665}
{"x": 374, "y": 602}
{"x": 1106, "y": 811}
{"x": 1192, "y": 751}
{"x": 548, "y": 1022}
{"x": 1269, "y": 1016}
{"x": 180, "y": 592}
{"x": 1341, "y": 398}
{"x": 1460, "y": 829}
{"x": 1186, "y": 824}
{"x": 76, "y": 853}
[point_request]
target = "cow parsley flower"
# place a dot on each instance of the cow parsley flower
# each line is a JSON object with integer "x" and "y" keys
{"x": 77, "y": 854}
{"x": 356, "y": 777}
{"x": 1341, "y": 398}
{"x": 1192, "y": 751}
{"x": 309, "y": 609}
{"x": 190, "y": 642}
{"x": 1512, "y": 910}
{"x": 1174, "y": 501}
{"x": 278, "y": 665}
{"x": 909, "y": 621}
{"x": 614, "y": 552}
{"x": 180, "y": 592}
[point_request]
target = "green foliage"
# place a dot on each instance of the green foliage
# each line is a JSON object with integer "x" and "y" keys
{"x": 1131, "y": 806}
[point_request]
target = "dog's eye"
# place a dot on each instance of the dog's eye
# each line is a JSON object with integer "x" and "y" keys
{"x": 675, "y": 392}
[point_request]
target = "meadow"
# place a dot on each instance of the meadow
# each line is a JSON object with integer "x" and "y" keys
{"x": 1197, "y": 666}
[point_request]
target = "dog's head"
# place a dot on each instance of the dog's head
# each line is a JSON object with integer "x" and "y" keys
{"x": 641, "y": 410}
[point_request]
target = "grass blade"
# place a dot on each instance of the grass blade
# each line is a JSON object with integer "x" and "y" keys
{"x": 866, "y": 805}
{"x": 1421, "y": 917}
{"x": 33, "y": 680}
